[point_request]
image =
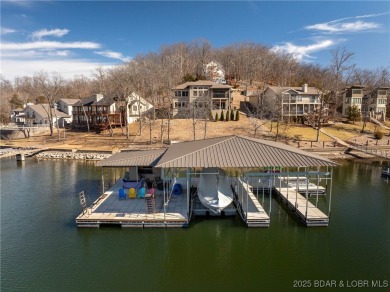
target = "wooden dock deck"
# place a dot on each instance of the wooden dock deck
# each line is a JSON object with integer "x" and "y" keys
{"x": 109, "y": 209}
{"x": 249, "y": 206}
{"x": 307, "y": 212}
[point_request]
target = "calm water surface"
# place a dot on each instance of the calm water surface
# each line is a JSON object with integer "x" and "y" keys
{"x": 42, "y": 249}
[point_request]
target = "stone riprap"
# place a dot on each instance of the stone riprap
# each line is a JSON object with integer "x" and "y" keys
{"x": 72, "y": 155}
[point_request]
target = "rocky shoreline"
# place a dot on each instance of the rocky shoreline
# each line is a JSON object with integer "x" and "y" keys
{"x": 54, "y": 154}
{"x": 72, "y": 155}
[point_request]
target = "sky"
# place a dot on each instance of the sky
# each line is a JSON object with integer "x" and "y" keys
{"x": 75, "y": 37}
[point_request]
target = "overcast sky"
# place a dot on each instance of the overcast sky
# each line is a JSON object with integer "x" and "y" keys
{"x": 74, "y": 37}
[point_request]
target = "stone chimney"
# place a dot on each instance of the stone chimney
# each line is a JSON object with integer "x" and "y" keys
{"x": 304, "y": 87}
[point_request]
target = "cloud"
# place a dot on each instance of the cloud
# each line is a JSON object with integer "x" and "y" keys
{"x": 114, "y": 55}
{"x": 331, "y": 27}
{"x": 38, "y": 35}
{"x": 338, "y": 26}
{"x": 303, "y": 52}
{"x": 12, "y": 68}
{"x": 5, "y": 30}
{"x": 49, "y": 45}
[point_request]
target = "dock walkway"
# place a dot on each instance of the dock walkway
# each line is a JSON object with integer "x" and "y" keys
{"x": 109, "y": 209}
{"x": 308, "y": 213}
{"x": 249, "y": 207}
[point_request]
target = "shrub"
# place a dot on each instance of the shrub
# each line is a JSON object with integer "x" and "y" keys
{"x": 222, "y": 118}
{"x": 237, "y": 115}
{"x": 232, "y": 115}
{"x": 216, "y": 117}
{"x": 378, "y": 135}
{"x": 227, "y": 116}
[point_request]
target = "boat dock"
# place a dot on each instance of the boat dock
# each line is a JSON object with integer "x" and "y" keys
{"x": 109, "y": 209}
{"x": 307, "y": 212}
{"x": 249, "y": 207}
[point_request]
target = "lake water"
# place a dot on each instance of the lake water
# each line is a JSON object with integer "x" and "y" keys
{"x": 43, "y": 250}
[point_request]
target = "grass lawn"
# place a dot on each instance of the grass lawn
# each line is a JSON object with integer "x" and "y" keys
{"x": 297, "y": 132}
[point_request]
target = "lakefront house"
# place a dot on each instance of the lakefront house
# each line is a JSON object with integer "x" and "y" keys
{"x": 200, "y": 94}
{"x": 293, "y": 102}
{"x": 102, "y": 112}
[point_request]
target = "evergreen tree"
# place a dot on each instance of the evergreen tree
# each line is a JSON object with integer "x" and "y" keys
{"x": 237, "y": 115}
{"x": 227, "y": 116}
{"x": 16, "y": 102}
{"x": 232, "y": 115}
{"x": 353, "y": 113}
{"x": 216, "y": 117}
{"x": 222, "y": 117}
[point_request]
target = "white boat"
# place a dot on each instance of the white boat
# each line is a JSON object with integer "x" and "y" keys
{"x": 301, "y": 184}
{"x": 214, "y": 190}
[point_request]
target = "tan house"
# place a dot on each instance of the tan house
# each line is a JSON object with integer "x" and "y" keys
{"x": 374, "y": 103}
{"x": 370, "y": 103}
{"x": 293, "y": 102}
{"x": 202, "y": 93}
{"x": 353, "y": 96}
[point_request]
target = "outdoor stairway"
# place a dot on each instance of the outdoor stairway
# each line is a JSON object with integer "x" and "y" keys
{"x": 375, "y": 121}
{"x": 361, "y": 148}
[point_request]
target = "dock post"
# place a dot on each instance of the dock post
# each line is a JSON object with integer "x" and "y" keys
{"x": 20, "y": 157}
{"x": 330, "y": 190}
{"x": 103, "y": 178}
{"x": 307, "y": 199}
{"x": 188, "y": 192}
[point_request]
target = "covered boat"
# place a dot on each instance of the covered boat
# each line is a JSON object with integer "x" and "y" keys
{"x": 214, "y": 190}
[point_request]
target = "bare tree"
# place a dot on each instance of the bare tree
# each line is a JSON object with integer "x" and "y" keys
{"x": 80, "y": 87}
{"x": 339, "y": 65}
{"x": 48, "y": 87}
{"x": 123, "y": 80}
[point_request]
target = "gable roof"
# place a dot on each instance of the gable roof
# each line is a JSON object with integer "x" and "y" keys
{"x": 224, "y": 152}
{"x": 281, "y": 89}
{"x": 105, "y": 101}
{"x": 133, "y": 158}
{"x": 238, "y": 151}
{"x": 202, "y": 83}
{"x": 43, "y": 108}
{"x": 69, "y": 101}
{"x": 86, "y": 101}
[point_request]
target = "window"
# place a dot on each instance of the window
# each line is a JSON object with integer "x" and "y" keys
{"x": 299, "y": 98}
{"x": 135, "y": 108}
{"x": 313, "y": 99}
{"x": 356, "y": 91}
{"x": 382, "y": 92}
{"x": 356, "y": 100}
{"x": 180, "y": 104}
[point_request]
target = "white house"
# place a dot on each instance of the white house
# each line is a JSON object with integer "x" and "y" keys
{"x": 38, "y": 114}
{"x": 215, "y": 72}
{"x": 66, "y": 105}
{"x": 17, "y": 116}
{"x": 137, "y": 105}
